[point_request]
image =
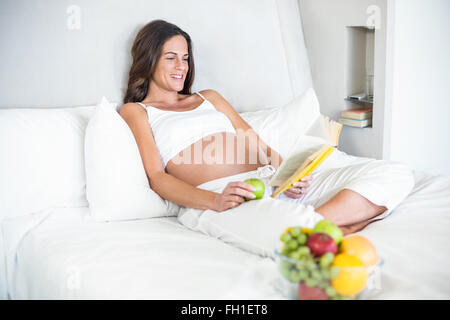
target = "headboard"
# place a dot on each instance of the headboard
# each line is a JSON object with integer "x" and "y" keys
{"x": 71, "y": 53}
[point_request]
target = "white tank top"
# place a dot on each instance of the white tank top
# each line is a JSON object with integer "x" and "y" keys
{"x": 176, "y": 130}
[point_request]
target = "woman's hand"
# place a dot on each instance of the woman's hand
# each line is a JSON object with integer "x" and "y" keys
{"x": 233, "y": 195}
{"x": 299, "y": 189}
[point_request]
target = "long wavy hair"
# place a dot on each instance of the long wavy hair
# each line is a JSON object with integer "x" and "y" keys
{"x": 146, "y": 52}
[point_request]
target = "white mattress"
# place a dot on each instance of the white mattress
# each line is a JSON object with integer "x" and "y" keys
{"x": 68, "y": 256}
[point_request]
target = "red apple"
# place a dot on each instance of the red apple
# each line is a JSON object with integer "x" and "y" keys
{"x": 310, "y": 293}
{"x": 320, "y": 243}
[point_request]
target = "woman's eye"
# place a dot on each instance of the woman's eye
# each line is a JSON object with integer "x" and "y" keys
{"x": 174, "y": 58}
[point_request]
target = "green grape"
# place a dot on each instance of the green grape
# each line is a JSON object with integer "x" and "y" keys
{"x": 309, "y": 258}
{"x": 322, "y": 284}
{"x": 315, "y": 275}
{"x": 306, "y": 265}
{"x": 292, "y": 244}
{"x": 302, "y": 238}
{"x": 334, "y": 271}
{"x": 330, "y": 291}
{"x": 304, "y": 250}
{"x": 325, "y": 273}
{"x": 316, "y": 265}
{"x": 303, "y": 256}
{"x": 326, "y": 259}
{"x": 285, "y": 264}
{"x": 300, "y": 264}
{"x": 296, "y": 231}
{"x": 294, "y": 255}
{"x": 285, "y": 237}
{"x": 304, "y": 274}
{"x": 311, "y": 265}
{"x": 294, "y": 276}
{"x": 285, "y": 268}
{"x": 285, "y": 251}
{"x": 311, "y": 282}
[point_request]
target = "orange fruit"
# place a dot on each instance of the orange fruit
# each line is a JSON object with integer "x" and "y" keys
{"x": 361, "y": 247}
{"x": 352, "y": 276}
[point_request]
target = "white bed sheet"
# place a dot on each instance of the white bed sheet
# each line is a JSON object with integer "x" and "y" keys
{"x": 68, "y": 256}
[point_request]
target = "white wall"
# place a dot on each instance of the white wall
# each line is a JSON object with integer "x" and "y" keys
{"x": 53, "y": 55}
{"x": 412, "y": 77}
{"x": 325, "y": 25}
{"x": 420, "y": 129}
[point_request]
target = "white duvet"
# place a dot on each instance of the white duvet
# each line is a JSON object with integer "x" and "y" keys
{"x": 68, "y": 256}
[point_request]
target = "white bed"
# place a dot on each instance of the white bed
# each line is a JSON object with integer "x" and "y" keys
{"x": 52, "y": 248}
{"x": 70, "y": 256}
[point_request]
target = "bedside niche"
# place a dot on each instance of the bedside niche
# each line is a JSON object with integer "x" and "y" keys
{"x": 359, "y": 70}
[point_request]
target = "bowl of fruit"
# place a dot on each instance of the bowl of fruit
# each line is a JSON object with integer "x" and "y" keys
{"x": 322, "y": 264}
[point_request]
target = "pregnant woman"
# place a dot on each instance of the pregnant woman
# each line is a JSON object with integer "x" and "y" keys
{"x": 197, "y": 151}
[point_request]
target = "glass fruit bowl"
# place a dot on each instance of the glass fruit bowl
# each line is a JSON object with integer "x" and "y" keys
{"x": 310, "y": 278}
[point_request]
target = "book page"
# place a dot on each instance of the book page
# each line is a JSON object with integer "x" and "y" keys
{"x": 305, "y": 169}
{"x": 327, "y": 129}
{"x": 288, "y": 167}
{"x": 305, "y": 147}
{"x": 318, "y": 129}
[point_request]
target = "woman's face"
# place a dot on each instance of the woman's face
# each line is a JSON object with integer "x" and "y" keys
{"x": 172, "y": 66}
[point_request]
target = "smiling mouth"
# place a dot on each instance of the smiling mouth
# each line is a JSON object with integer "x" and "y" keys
{"x": 177, "y": 77}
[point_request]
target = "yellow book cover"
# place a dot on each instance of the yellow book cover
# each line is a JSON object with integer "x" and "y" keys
{"x": 309, "y": 152}
{"x": 304, "y": 169}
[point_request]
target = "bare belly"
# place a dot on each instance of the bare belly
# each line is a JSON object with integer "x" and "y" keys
{"x": 216, "y": 156}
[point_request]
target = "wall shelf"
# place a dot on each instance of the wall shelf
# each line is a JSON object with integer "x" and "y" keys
{"x": 359, "y": 128}
{"x": 363, "y": 101}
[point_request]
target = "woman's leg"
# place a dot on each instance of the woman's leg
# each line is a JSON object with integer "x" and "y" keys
{"x": 355, "y": 195}
{"x": 355, "y": 227}
{"x": 348, "y": 208}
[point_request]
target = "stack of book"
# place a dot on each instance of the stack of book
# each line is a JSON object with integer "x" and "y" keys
{"x": 359, "y": 118}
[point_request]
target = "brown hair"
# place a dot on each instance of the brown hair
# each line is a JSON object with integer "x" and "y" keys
{"x": 146, "y": 51}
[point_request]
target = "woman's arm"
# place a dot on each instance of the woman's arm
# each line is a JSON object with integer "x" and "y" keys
{"x": 182, "y": 193}
{"x": 165, "y": 185}
{"x": 222, "y": 105}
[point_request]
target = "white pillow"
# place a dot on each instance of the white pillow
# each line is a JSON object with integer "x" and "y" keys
{"x": 42, "y": 159}
{"x": 117, "y": 186}
{"x": 282, "y": 127}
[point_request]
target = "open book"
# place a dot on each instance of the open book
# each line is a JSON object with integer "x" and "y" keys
{"x": 312, "y": 151}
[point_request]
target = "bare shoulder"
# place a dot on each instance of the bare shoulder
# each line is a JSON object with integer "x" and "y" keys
{"x": 135, "y": 116}
{"x": 131, "y": 109}
{"x": 211, "y": 94}
{"x": 217, "y": 100}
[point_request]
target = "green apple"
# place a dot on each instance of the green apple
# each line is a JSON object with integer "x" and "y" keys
{"x": 259, "y": 188}
{"x": 328, "y": 227}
